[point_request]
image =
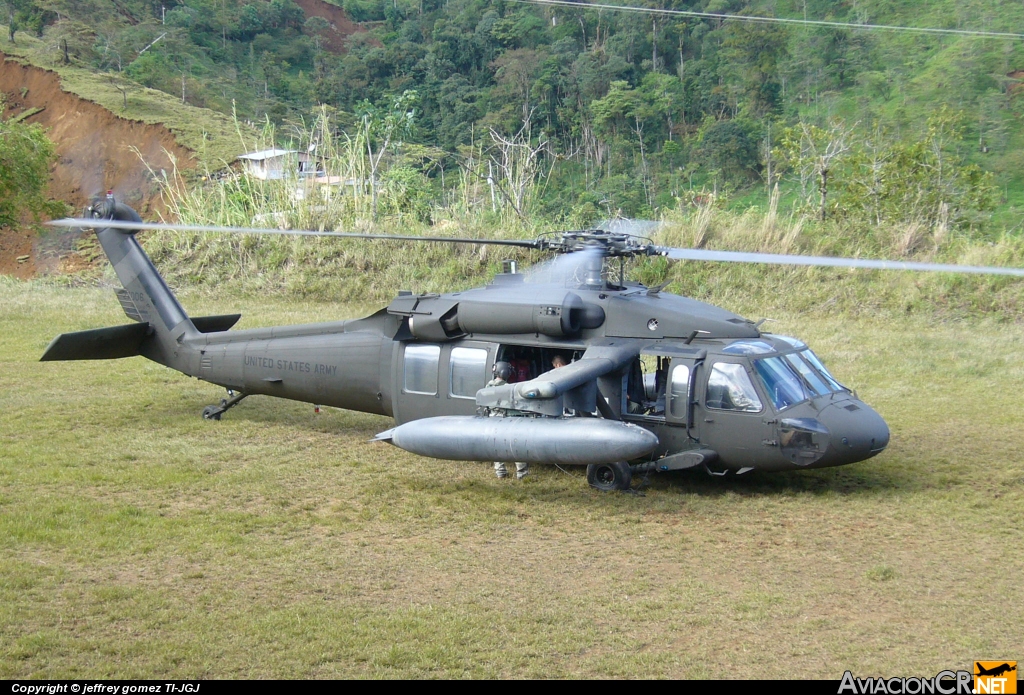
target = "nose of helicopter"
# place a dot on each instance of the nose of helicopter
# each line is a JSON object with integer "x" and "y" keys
{"x": 857, "y": 432}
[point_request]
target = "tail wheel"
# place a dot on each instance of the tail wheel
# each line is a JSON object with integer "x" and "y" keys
{"x": 609, "y": 476}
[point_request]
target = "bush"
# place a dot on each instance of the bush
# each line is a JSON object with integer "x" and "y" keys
{"x": 25, "y": 158}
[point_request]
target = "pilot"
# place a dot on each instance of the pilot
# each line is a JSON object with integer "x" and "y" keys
{"x": 501, "y": 372}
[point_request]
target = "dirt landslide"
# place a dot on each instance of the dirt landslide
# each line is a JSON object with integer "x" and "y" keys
{"x": 341, "y": 26}
{"x": 94, "y": 148}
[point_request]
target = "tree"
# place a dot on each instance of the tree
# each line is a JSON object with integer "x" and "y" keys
{"x": 924, "y": 180}
{"x": 756, "y": 51}
{"x": 17, "y": 12}
{"x": 316, "y": 27}
{"x": 384, "y": 127}
{"x": 664, "y": 96}
{"x": 513, "y": 167}
{"x": 729, "y": 146}
{"x": 814, "y": 152}
{"x": 25, "y": 158}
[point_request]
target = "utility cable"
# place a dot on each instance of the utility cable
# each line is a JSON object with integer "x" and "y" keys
{"x": 773, "y": 20}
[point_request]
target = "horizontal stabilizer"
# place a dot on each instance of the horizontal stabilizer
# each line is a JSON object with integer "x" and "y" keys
{"x": 98, "y": 344}
{"x": 215, "y": 324}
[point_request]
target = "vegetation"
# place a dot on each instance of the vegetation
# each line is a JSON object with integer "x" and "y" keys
{"x": 349, "y": 270}
{"x": 139, "y": 541}
{"x": 624, "y": 113}
{"x": 215, "y": 138}
{"x": 25, "y": 158}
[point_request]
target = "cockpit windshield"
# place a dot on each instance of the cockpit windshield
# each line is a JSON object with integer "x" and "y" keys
{"x": 790, "y": 378}
{"x": 816, "y": 363}
{"x": 783, "y": 385}
{"x": 816, "y": 382}
{"x": 795, "y": 377}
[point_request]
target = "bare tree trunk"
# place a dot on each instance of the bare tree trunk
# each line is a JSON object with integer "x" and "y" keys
{"x": 823, "y": 190}
{"x": 654, "y": 45}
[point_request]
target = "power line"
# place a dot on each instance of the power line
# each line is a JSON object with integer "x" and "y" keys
{"x": 774, "y": 20}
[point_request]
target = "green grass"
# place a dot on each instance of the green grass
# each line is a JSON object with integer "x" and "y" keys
{"x": 212, "y": 136}
{"x": 137, "y": 540}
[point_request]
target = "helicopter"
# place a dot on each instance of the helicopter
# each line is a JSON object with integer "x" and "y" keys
{"x": 645, "y": 381}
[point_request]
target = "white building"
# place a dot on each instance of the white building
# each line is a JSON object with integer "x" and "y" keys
{"x": 272, "y": 164}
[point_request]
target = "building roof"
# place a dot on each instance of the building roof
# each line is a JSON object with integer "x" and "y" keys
{"x": 266, "y": 154}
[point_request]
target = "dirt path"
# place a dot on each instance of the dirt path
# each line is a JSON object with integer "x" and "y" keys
{"x": 94, "y": 148}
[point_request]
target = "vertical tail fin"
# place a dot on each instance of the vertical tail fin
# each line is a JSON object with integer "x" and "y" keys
{"x": 153, "y": 301}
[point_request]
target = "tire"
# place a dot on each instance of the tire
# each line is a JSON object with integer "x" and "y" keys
{"x": 211, "y": 412}
{"x": 609, "y": 476}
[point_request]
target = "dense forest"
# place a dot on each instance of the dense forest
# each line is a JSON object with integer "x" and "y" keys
{"x": 600, "y": 113}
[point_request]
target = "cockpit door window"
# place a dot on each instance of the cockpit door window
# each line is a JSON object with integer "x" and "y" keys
{"x": 730, "y": 388}
{"x": 679, "y": 391}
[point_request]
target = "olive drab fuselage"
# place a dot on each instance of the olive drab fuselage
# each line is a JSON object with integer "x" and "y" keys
{"x": 363, "y": 365}
{"x": 714, "y": 390}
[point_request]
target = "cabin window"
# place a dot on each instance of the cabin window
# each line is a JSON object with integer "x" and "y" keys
{"x": 730, "y": 388}
{"x": 467, "y": 371}
{"x": 421, "y": 368}
{"x": 680, "y": 390}
{"x": 529, "y": 362}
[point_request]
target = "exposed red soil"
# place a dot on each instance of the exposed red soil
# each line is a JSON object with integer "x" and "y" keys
{"x": 94, "y": 153}
{"x": 1016, "y": 82}
{"x": 16, "y": 252}
{"x": 341, "y": 26}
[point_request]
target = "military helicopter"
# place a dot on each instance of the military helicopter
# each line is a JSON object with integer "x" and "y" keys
{"x": 652, "y": 382}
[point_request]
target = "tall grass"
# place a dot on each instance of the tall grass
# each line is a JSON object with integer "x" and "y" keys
{"x": 753, "y": 288}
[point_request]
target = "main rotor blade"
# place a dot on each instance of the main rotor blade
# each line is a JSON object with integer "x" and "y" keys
{"x": 93, "y": 223}
{"x": 785, "y": 259}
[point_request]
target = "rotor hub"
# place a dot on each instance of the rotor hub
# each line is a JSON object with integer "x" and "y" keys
{"x": 609, "y": 244}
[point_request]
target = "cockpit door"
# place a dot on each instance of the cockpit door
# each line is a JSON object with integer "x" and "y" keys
{"x": 675, "y": 390}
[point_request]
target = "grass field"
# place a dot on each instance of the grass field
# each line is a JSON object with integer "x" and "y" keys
{"x": 137, "y": 540}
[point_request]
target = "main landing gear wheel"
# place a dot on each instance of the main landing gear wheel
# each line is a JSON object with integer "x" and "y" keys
{"x": 212, "y": 412}
{"x": 609, "y": 476}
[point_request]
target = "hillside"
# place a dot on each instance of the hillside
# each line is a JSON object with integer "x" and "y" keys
{"x": 635, "y": 110}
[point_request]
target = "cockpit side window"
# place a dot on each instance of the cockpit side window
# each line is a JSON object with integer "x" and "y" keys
{"x": 730, "y": 388}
